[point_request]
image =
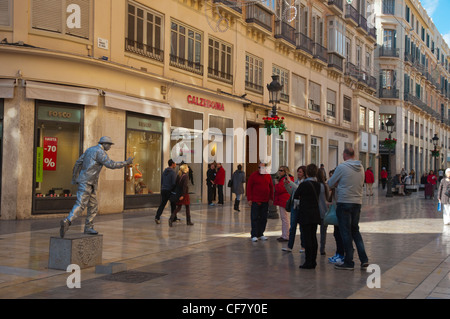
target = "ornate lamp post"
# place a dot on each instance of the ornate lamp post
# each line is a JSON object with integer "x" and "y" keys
{"x": 435, "y": 153}
{"x": 274, "y": 89}
{"x": 389, "y": 128}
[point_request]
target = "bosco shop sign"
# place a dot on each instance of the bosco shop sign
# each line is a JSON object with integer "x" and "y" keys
{"x": 50, "y": 151}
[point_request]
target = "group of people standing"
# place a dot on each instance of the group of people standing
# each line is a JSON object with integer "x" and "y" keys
{"x": 306, "y": 199}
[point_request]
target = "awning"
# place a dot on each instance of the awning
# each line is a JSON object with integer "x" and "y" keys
{"x": 7, "y": 88}
{"x": 128, "y": 103}
{"x": 61, "y": 93}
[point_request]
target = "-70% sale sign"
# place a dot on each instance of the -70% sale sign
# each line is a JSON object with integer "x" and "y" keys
{"x": 50, "y": 151}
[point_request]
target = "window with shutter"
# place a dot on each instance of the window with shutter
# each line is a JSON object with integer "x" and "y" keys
{"x": 68, "y": 17}
{"x": 298, "y": 91}
{"x": 5, "y": 12}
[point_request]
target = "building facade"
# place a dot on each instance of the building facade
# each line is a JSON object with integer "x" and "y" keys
{"x": 413, "y": 64}
{"x": 166, "y": 79}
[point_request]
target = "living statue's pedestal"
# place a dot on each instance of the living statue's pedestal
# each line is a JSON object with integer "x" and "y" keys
{"x": 80, "y": 249}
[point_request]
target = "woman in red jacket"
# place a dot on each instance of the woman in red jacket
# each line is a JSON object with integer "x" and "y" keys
{"x": 370, "y": 179}
{"x": 281, "y": 196}
{"x": 219, "y": 181}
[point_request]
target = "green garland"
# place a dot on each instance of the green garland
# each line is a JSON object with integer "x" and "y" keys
{"x": 390, "y": 143}
{"x": 274, "y": 122}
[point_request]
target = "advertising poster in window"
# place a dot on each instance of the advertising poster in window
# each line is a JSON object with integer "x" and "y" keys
{"x": 50, "y": 152}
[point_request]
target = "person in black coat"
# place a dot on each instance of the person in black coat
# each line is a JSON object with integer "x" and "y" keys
{"x": 210, "y": 176}
{"x": 307, "y": 196}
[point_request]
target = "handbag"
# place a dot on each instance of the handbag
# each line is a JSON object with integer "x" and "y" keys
{"x": 439, "y": 208}
{"x": 230, "y": 183}
{"x": 177, "y": 192}
{"x": 330, "y": 216}
{"x": 289, "y": 203}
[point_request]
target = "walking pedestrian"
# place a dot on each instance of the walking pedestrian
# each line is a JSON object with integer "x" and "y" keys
{"x": 182, "y": 182}
{"x": 325, "y": 196}
{"x": 259, "y": 196}
{"x": 210, "y": 176}
{"x": 369, "y": 180}
{"x": 86, "y": 172}
{"x": 308, "y": 194}
{"x": 384, "y": 176}
{"x": 281, "y": 196}
{"x": 291, "y": 187}
{"x": 219, "y": 181}
{"x": 348, "y": 179}
{"x": 168, "y": 182}
{"x": 444, "y": 197}
{"x": 237, "y": 185}
{"x": 431, "y": 181}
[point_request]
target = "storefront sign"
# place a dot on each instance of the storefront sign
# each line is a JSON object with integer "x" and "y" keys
{"x": 144, "y": 124}
{"x": 39, "y": 164}
{"x": 50, "y": 151}
{"x": 205, "y": 103}
{"x": 59, "y": 114}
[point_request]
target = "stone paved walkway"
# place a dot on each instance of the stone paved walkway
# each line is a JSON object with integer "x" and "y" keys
{"x": 215, "y": 258}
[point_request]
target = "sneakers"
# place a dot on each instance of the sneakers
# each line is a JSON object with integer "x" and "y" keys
{"x": 364, "y": 266}
{"x": 287, "y": 249}
{"x": 343, "y": 267}
{"x": 90, "y": 231}
{"x": 263, "y": 238}
{"x": 157, "y": 221}
{"x": 336, "y": 259}
{"x": 254, "y": 239}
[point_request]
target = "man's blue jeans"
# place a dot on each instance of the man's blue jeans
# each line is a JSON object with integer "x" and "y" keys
{"x": 348, "y": 219}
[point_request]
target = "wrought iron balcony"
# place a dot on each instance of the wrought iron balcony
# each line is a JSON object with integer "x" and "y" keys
{"x": 351, "y": 70}
{"x": 285, "y": 31}
{"x": 144, "y": 50}
{"x": 351, "y": 14}
{"x": 362, "y": 23}
{"x": 335, "y": 61}
{"x": 219, "y": 75}
{"x": 256, "y": 14}
{"x": 304, "y": 43}
{"x": 389, "y": 93}
{"x": 336, "y": 4}
{"x": 388, "y": 52}
{"x": 320, "y": 52}
{"x": 186, "y": 65}
{"x": 231, "y": 3}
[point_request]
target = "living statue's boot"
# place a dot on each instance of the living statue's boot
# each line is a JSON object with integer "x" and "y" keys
{"x": 65, "y": 224}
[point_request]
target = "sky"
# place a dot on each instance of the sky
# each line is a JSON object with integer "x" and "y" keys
{"x": 439, "y": 11}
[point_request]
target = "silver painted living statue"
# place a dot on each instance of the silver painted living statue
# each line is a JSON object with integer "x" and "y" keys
{"x": 85, "y": 173}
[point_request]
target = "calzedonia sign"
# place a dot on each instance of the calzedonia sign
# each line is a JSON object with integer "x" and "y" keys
{"x": 205, "y": 103}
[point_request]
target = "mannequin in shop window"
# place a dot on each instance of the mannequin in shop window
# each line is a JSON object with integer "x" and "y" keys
{"x": 85, "y": 173}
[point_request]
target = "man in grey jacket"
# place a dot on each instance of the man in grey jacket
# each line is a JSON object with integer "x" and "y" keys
{"x": 168, "y": 179}
{"x": 348, "y": 179}
{"x": 86, "y": 172}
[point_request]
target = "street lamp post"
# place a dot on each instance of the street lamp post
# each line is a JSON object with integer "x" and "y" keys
{"x": 435, "y": 143}
{"x": 274, "y": 89}
{"x": 389, "y": 128}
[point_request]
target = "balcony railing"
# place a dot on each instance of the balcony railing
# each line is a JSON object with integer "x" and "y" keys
{"x": 144, "y": 50}
{"x": 219, "y": 75}
{"x": 231, "y": 3}
{"x": 351, "y": 13}
{"x": 372, "y": 82}
{"x": 304, "y": 43}
{"x": 389, "y": 93}
{"x": 186, "y": 65}
{"x": 254, "y": 87}
{"x": 336, "y": 3}
{"x": 351, "y": 70}
{"x": 320, "y": 52}
{"x": 388, "y": 52}
{"x": 373, "y": 33}
{"x": 362, "y": 23}
{"x": 258, "y": 15}
{"x": 335, "y": 61}
{"x": 285, "y": 31}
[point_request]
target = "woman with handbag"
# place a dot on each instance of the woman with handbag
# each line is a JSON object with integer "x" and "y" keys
{"x": 281, "y": 196}
{"x": 183, "y": 190}
{"x": 308, "y": 194}
{"x": 444, "y": 197}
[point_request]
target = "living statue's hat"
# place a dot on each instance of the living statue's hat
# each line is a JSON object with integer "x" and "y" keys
{"x": 105, "y": 140}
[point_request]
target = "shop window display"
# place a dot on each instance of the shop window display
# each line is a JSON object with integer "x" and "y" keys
{"x": 144, "y": 143}
{"x": 57, "y": 148}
